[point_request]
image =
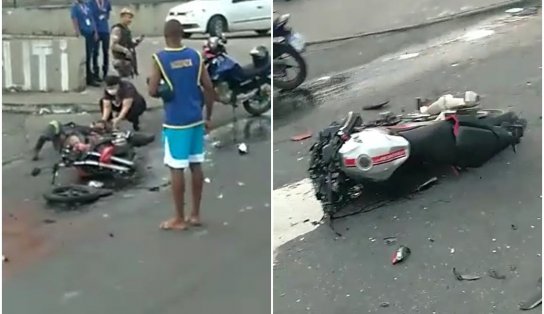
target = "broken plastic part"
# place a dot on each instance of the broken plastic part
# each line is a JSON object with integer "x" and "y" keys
{"x": 376, "y": 106}
{"x": 302, "y": 136}
{"x": 468, "y": 277}
{"x": 242, "y": 148}
{"x": 390, "y": 240}
{"x": 427, "y": 184}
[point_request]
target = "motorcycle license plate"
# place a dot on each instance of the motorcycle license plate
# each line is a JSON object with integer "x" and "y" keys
{"x": 297, "y": 41}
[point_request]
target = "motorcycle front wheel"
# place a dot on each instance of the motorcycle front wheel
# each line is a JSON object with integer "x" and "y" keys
{"x": 281, "y": 52}
{"x": 260, "y": 103}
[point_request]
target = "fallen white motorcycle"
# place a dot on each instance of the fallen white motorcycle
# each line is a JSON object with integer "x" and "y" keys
{"x": 351, "y": 155}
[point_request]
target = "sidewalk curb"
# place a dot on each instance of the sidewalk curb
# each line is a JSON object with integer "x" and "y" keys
{"x": 58, "y": 108}
{"x": 487, "y": 9}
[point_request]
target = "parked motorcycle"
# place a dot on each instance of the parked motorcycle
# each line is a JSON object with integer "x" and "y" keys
{"x": 249, "y": 84}
{"x": 287, "y": 44}
{"x": 353, "y": 154}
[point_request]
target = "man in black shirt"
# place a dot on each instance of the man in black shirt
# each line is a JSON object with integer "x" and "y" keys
{"x": 122, "y": 98}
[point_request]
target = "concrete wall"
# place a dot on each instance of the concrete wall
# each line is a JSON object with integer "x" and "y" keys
{"x": 43, "y": 64}
{"x": 55, "y": 20}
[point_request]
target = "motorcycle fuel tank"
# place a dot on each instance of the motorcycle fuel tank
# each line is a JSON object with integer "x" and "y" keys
{"x": 373, "y": 154}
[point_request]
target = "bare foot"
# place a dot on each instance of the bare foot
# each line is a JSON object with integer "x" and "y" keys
{"x": 194, "y": 221}
{"x": 174, "y": 224}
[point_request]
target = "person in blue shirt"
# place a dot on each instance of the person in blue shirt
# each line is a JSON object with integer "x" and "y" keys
{"x": 85, "y": 26}
{"x": 100, "y": 10}
{"x": 189, "y": 89}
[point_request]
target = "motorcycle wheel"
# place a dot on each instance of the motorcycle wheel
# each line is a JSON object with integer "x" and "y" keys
{"x": 259, "y": 105}
{"x": 282, "y": 49}
{"x": 75, "y": 194}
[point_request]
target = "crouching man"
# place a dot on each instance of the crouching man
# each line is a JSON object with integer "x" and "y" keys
{"x": 122, "y": 99}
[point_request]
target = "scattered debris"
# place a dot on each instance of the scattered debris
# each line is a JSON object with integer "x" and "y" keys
{"x": 217, "y": 144}
{"x": 532, "y": 302}
{"x": 514, "y": 227}
{"x": 478, "y": 34}
{"x": 225, "y": 223}
{"x": 35, "y": 172}
{"x": 400, "y": 255}
{"x": 495, "y": 275}
{"x": 95, "y": 184}
{"x": 408, "y": 56}
{"x": 242, "y": 148}
{"x": 513, "y": 267}
{"x": 324, "y": 78}
{"x": 384, "y": 304}
{"x": 128, "y": 195}
{"x": 207, "y": 180}
{"x": 301, "y": 136}
{"x": 430, "y": 240}
{"x": 427, "y": 184}
{"x": 468, "y": 277}
{"x": 300, "y": 158}
{"x": 452, "y": 250}
{"x": 154, "y": 189}
{"x": 513, "y": 10}
{"x": 376, "y": 106}
{"x": 390, "y": 240}
{"x": 525, "y": 11}
{"x": 105, "y": 216}
{"x": 241, "y": 183}
{"x": 111, "y": 235}
{"x": 49, "y": 221}
{"x": 220, "y": 196}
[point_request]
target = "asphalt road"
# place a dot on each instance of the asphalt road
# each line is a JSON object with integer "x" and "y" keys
{"x": 111, "y": 257}
{"x": 469, "y": 217}
{"x": 350, "y": 17}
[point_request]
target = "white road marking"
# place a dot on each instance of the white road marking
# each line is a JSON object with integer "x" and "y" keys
{"x": 294, "y": 204}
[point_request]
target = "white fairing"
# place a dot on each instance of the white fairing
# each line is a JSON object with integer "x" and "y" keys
{"x": 387, "y": 152}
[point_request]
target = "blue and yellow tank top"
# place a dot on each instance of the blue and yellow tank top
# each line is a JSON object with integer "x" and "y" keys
{"x": 180, "y": 68}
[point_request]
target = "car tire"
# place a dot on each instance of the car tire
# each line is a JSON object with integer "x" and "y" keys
{"x": 217, "y": 26}
{"x": 262, "y": 32}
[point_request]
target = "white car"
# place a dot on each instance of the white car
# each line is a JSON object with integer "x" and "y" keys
{"x": 219, "y": 16}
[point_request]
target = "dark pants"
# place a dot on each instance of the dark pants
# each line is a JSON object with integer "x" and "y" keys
{"x": 90, "y": 47}
{"x": 49, "y": 134}
{"x": 104, "y": 42}
{"x": 133, "y": 116}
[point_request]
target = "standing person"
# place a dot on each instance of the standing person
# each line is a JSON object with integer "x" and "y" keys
{"x": 123, "y": 46}
{"x": 101, "y": 14}
{"x": 184, "y": 127}
{"x": 84, "y": 25}
{"x": 121, "y": 97}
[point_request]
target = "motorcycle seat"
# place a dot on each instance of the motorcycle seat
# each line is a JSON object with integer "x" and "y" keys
{"x": 250, "y": 70}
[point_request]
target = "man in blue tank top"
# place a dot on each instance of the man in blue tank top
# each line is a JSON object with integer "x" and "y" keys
{"x": 189, "y": 88}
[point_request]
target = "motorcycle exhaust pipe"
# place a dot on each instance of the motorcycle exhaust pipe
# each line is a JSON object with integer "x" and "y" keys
{"x": 102, "y": 165}
{"x": 123, "y": 161}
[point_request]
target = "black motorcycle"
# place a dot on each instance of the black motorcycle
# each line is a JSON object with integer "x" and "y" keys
{"x": 287, "y": 45}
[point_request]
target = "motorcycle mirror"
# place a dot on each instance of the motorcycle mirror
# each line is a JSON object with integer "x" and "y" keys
{"x": 223, "y": 38}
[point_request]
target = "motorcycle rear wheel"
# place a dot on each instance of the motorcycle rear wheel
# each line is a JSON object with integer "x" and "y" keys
{"x": 281, "y": 49}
